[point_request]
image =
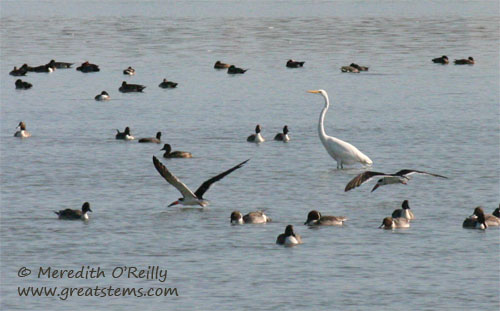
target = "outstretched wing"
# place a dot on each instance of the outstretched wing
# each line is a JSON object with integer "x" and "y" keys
{"x": 204, "y": 186}
{"x": 407, "y": 173}
{"x": 361, "y": 179}
{"x": 171, "y": 179}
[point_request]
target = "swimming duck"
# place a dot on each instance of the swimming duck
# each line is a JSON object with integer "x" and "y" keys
{"x": 257, "y": 137}
{"x": 27, "y": 68}
{"x": 358, "y": 67}
{"x": 294, "y": 64}
{"x": 250, "y": 218}
{"x": 289, "y": 238}
{"x": 44, "y": 68}
{"x": 124, "y": 135}
{"x": 18, "y": 72}
{"x": 476, "y": 221}
{"x": 156, "y": 139}
{"x": 468, "y": 61}
{"x": 314, "y": 218}
{"x": 283, "y": 136}
{"x": 74, "y": 214}
{"x": 129, "y": 71}
{"x": 88, "y": 67}
{"x": 174, "y": 154}
{"x": 492, "y": 220}
{"x": 127, "y": 88}
{"x": 23, "y": 133}
{"x": 23, "y": 85}
{"x": 393, "y": 223}
{"x": 234, "y": 70}
{"x": 167, "y": 84}
{"x": 103, "y": 96}
{"x": 59, "y": 65}
{"x": 220, "y": 65}
{"x": 404, "y": 212}
{"x": 496, "y": 212}
{"x": 349, "y": 69}
{"x": 441, "y": 60}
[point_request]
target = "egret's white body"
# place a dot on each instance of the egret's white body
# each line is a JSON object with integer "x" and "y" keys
{"x": 341, "y": 151}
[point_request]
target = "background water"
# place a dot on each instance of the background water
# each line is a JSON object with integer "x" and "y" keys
{"x": 406, "y": 112}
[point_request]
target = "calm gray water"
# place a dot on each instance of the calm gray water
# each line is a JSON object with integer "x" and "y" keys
{"x": 406, "y": 112}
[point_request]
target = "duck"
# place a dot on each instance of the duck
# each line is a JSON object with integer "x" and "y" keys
{"x": 358, "y": 67}
{"x": 441, "y": 60}
{"x": 220, "y": 65}
{"x": 314, "y": 218}
{"x": 476, "y": 221}
{"x": 294, "y": 64}
{"x": 492, "y": 220}
{"x": 257, "y": 217}
{"x": 103, "y": 96}
{"x": 59, "y": 65}
{"x": 289, "y": 238}
{"x": 175, "y": 154}
{"x": 23, "y": 133}
{"x": 496, "y": 212}
{"x": 404, "y": 211}
{"x": 23, "y": 85}
{"x": 234, "y": 70}
{"x": 44, "y": 68}
{"x": 283, "y": 136}
{"x": 74, "y": 214}
{"x": 468, "y": 61}
{"x": 128, "y": 88}
{"x": 393, "y": 223}
{"x": 18, "y": 72}
{"x": 349, "y": 69}
{"x": 129, "y": 71}
{"x": 257, "y": 137}
{"x": 124, "y": 135}
{"x": 88, "y": 67}
{"x": 27, "y": 68}
{"x": 167, "y": 84}
{"x": 156, "y": 139}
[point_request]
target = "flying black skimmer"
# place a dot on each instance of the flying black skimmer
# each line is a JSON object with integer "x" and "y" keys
{"x": 188, "y": 197}
{"x": 401, "y": 177}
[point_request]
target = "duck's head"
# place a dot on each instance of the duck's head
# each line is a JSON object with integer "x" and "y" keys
{"x": 236, "y": 217}
{"x": 405, "y": 205}
{"x": 86, "y": 207}
{"x": 289, "y": 231}
{"x": 158, "y": 135}
{"x": 257, "y": 129}
{"x": 386, "y": 223}
{"x": 312, "y": 217}
{"x": 167, "y": 148}
{"x": 285, "y": 129}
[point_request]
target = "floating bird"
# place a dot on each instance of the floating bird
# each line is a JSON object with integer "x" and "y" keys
{"x": 74, "y": 214}
{"x": 496, "y": 212}
{"x": 23, "y": 85}
{"x": 401, "y": 177}
{"x": 155, "y": 140}
{"x": 403, "y": 212}
{"x": 294, "y": 64}
{"x": 476, "y": 221}
{"x": 233, "y": 70}
{"x": 349, "y": 69}
{"x": 167, "y": 84}
{"x": 88, "y": 67}
{"x": 220, "y": 65}
{"x": 59, "y": 65}
{"x": 188, "y": 197}
{"x": 441, "y": 60}
{"x": 124, "y": 135}
{"x": 23, "y": 133}
{"x": 128, "y": 88}
{"x": 468, "y": 61}
{"x": 283, "y": 136}
{"x": 289, "y": 238}
{"x": 491, "y": 220}
{"x": 341, "y": 151}
{"x": 393, "y": 223}
{"x": 175, "y": 154}
{"x": 43, "y": 68}
{"x": 129, "y": 71}
{"x": 314, "y": 218}
{"x": 27, "y": 68}
{"x": 251, "y": 218}
{"x": 257, "y": 137}
{"x": 18, "y": 72}
{"x": 358, "y": 67}
{"x": 103, "y": 96}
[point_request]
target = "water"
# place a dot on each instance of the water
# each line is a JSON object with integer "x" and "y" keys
{"x": 404, "y": 113}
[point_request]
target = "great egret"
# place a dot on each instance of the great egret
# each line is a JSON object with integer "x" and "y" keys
{"x": 188, "y": 197}
{"x": 341, "y": 151}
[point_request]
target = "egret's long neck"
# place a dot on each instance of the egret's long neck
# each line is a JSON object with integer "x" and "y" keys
{"x": 321, "y": 127}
